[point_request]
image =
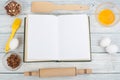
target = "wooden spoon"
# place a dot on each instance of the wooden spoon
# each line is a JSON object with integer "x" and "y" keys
{"x": 49, "y": 7}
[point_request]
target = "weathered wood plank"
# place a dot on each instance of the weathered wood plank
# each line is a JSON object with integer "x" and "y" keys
{"x": 27, "y": 5}
{"x": 107, "y": 65}
{"x": 95, "y": 40}
{"x": 4, "y": 38}
{"x": 95, "y": 27}
{"x": 80, "y": 77}
{"x": 92, "y": 3}
{"x": 101, "y": 63}
{"x": 6, "y": 23}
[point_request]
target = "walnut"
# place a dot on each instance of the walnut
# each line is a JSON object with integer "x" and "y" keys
{"x": 13, "y": 61}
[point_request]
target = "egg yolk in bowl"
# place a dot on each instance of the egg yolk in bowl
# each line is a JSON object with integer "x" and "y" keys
{"x": 106, "y": 17}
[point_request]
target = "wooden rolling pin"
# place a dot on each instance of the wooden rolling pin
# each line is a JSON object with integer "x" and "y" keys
{"x": 57, "y": 72}
{"x": 49, "y": 7}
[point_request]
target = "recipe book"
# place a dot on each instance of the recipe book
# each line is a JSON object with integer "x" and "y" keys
{"x": 57, "y": 38}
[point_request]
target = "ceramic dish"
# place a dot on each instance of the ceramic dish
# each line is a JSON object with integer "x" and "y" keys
{"x": 18, "y": 1}
{"x": 113, "y": 8}
{"x": 5, "y": 62}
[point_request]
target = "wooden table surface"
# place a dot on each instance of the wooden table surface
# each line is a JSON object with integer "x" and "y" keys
{"x": 104, "y": 65}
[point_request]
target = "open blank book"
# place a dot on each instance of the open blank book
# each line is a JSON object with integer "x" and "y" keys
{"x": 57, "y": 38}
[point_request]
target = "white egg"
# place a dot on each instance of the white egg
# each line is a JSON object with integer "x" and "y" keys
{"x": 112, "y": 49}
{"x": 105, "y": 42}
{"x": 14, "y": 44}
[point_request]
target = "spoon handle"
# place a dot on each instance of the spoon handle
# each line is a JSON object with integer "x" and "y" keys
{"x": 7, "y": 47}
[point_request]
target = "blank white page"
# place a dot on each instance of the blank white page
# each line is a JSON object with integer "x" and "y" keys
{"x": 74, "y": 42}
{"x": 42, "y": 38}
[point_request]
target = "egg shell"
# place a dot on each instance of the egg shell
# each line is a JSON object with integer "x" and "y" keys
{"x": 105, "y": 42}
{"x": 112, "y": 49}
{"x": 14, "y": 44}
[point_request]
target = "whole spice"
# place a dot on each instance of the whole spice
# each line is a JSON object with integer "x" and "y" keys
{"x": 13, "y": 8}
{"x": 13, "y": 61}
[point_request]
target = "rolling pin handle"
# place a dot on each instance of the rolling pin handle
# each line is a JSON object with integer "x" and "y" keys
{"x": 32, "y": 73}
{"x": 84, "y": 71}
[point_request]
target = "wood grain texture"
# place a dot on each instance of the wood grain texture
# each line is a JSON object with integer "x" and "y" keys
{"x": 101, "y": 63}
{"x": 80, "y": 77}
{"x": 95, "y": 40}
{"x": 105, "y": 66}
{"x": 95, "y": 27}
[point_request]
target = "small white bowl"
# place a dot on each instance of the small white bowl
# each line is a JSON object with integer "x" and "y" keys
{"x": 4, "y": 61}
{"x": 111, "y": 6}
{"x": 19, "y": 2}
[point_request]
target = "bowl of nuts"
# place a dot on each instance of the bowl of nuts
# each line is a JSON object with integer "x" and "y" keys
{"x": 13, "y": 7}
{"x": 12, "y": 61}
